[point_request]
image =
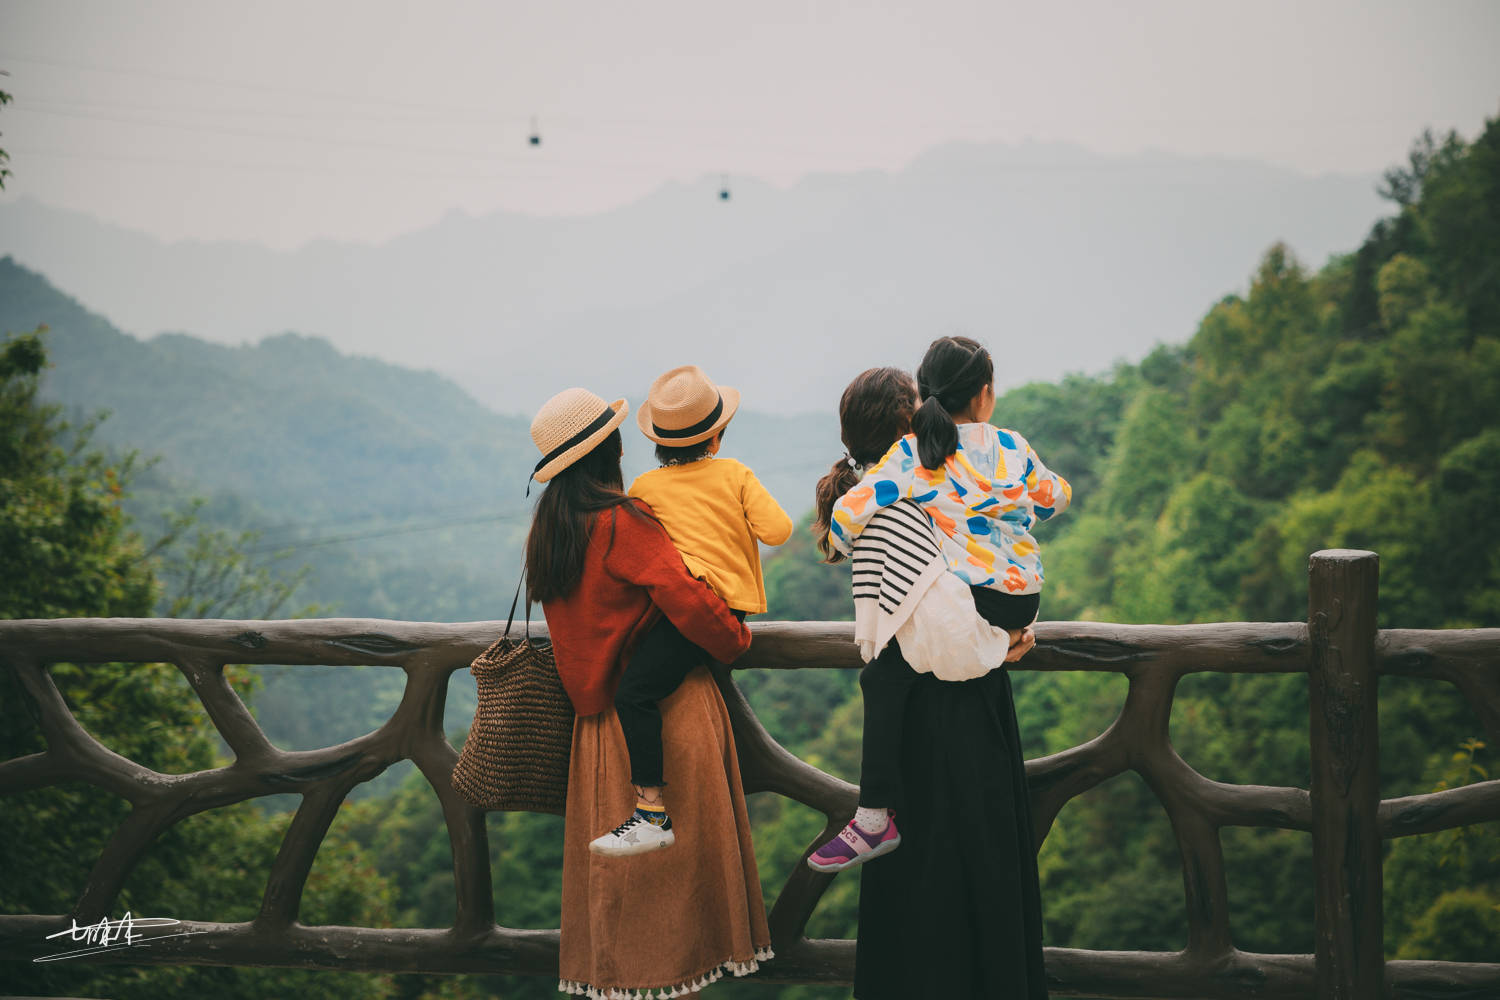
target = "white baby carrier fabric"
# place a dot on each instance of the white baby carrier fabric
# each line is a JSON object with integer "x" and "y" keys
{"x": 944, "y": 634}
{"x": 903, "y": 590}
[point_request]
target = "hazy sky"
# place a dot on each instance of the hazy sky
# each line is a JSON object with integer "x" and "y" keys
{"x": 281, "y": 122}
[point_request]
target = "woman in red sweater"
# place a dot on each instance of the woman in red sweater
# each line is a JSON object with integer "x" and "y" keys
{"x": 604, "y": 570}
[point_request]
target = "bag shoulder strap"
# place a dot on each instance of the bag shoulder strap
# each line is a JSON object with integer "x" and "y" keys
{"x": 513, "y": 602}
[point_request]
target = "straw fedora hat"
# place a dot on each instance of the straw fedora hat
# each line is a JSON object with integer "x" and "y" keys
{"x": 569, "y": 425}
{"x": 684, "y": 407}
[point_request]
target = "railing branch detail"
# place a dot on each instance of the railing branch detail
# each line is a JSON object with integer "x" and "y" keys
{"x": 1338, "y": 649}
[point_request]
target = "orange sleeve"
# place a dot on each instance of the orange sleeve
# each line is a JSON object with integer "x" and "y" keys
{"x": 643, "y": 555}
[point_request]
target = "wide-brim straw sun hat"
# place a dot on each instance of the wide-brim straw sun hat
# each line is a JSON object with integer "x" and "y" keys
{"x": 569, "y": 425}
{"x": 684, "y": 407}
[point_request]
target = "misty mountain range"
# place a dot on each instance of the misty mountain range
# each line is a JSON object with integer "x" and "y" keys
{"x": 405, "y": 496}
{"x": 1060, "y": 259}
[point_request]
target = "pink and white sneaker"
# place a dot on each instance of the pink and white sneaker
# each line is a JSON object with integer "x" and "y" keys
{"x": 853, "y": 846}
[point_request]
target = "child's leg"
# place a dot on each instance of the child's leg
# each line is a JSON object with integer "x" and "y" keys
{"x": 656, "y": 669}
{"x": 885, "y": 683}
{"x": 1007, "y": 611}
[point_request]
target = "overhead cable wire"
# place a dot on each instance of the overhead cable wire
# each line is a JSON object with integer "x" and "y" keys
{"x": 409, "y": 529}
{"x": 383, "y": 100}
{"x": 714, "y": 153}
{"x": 548, "y": 170}
{"x": 486, "y": 112}
{"x": 491, "y": 113}
{"x": 322, "y": 139}
{"x": 292, "y": 528}
{"x": 510, "y": 171}
{"x": 711, "y": 162}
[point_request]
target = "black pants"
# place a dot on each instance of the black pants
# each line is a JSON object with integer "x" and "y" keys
{"x": 957, "y": 911}
{"x": 888, "y": 680}
{"x": 654, "y": 671}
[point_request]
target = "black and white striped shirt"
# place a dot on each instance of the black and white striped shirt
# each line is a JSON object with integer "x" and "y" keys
{"x": 895, "y": 551}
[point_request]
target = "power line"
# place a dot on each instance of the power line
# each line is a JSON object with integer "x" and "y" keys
{"x": 382, "y": 100}
{"x": 517, "y": 171}
{"x": 710, "y": 163}
{"x": 533, "y": 167}
{"x": 340, "y": 114}
{"x": 283, "y": 136}
{"x": 62, "y": 107}
{"x": 486, "y": 112}
{"x": 494, "y": 114}
{"x": 520, "y": 170}
{"x": 459, "y": 509}
{"x": 409, "y": 149}
{"x": 714, "y": 152}
{"x": 409, "y": 529}
{"x": 289, "y": 545}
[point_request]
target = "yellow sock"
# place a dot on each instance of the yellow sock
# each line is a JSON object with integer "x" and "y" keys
{"x": 655, "y": 815}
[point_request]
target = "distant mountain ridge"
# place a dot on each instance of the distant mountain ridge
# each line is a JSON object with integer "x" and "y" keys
{"x": 289, "y": 422}
{"x": 366, "y": 470}
{"x": 1061, "y": 258}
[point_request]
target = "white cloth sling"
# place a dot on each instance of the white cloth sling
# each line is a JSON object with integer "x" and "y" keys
{"x": 902, "y": 590}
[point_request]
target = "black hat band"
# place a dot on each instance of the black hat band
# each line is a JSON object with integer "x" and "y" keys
{"x": 697, "y": 428}
{"x": 599, "y": 422}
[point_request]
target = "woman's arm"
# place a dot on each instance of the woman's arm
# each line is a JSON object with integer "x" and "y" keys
{"x": 643, "y": 555}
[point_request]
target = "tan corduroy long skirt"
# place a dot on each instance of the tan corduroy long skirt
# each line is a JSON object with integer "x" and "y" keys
{"x": 672, "y": 921}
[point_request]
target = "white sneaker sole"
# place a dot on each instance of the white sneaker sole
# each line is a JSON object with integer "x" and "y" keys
{"x": 625, "y": 850}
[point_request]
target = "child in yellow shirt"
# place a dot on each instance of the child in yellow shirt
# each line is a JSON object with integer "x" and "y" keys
{"x": 716, "y": 512}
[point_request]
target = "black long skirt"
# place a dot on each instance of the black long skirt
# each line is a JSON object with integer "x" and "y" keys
{"x": 956, "y": 910}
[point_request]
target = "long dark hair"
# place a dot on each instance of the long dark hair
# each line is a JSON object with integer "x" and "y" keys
{"x": 564, "y": 519}
{"x": 953, "y": 371}
{"x": 874, "y": 413}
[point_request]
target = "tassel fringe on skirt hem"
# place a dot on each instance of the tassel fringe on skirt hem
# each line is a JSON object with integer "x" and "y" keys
{"x": 688, "y": 988}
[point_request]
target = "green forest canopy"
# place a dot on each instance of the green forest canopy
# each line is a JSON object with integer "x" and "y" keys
{"x": 1356, "y": 406}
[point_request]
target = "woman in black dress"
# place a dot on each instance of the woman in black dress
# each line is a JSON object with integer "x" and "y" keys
{"x": 956, "y": 910}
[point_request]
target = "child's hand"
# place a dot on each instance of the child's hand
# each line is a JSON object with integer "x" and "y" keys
{"x": 1021, "y": 641}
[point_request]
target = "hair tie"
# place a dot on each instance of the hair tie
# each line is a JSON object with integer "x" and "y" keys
{"x": 963, "y": 369}
{"x": 849, "y": 460}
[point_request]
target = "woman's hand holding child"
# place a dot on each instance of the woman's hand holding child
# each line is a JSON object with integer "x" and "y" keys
{"x": 1021, "y": 641}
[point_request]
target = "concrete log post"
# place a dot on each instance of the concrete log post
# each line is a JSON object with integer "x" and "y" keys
{"x": 1350, "y": 959}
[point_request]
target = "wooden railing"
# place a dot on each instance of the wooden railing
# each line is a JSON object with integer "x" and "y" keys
{"x": 1339, "y": 649}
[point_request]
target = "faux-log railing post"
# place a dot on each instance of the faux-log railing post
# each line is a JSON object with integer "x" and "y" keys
{"x": 1345, "y": 792}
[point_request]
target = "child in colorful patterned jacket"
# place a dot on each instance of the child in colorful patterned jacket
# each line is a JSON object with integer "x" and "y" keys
{"x": 983, "y": 488}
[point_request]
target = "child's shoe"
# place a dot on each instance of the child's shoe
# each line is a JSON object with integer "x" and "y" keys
{"x": 853, "y": 846}
{"x": 636, "y": 835}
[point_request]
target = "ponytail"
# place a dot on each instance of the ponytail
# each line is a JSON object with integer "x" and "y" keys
{"x": 952, "y": 372}
{"x": 874, "y": 413}
{"x": 937, "y": 434}
{"x": 840, "y": 480}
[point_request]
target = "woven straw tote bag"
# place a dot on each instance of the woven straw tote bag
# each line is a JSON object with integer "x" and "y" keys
{"x": 516, "y": 755}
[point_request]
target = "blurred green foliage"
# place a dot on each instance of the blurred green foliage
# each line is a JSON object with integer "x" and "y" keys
{"x": 68, "y": 551}
{"x": 1355, "y": 406}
